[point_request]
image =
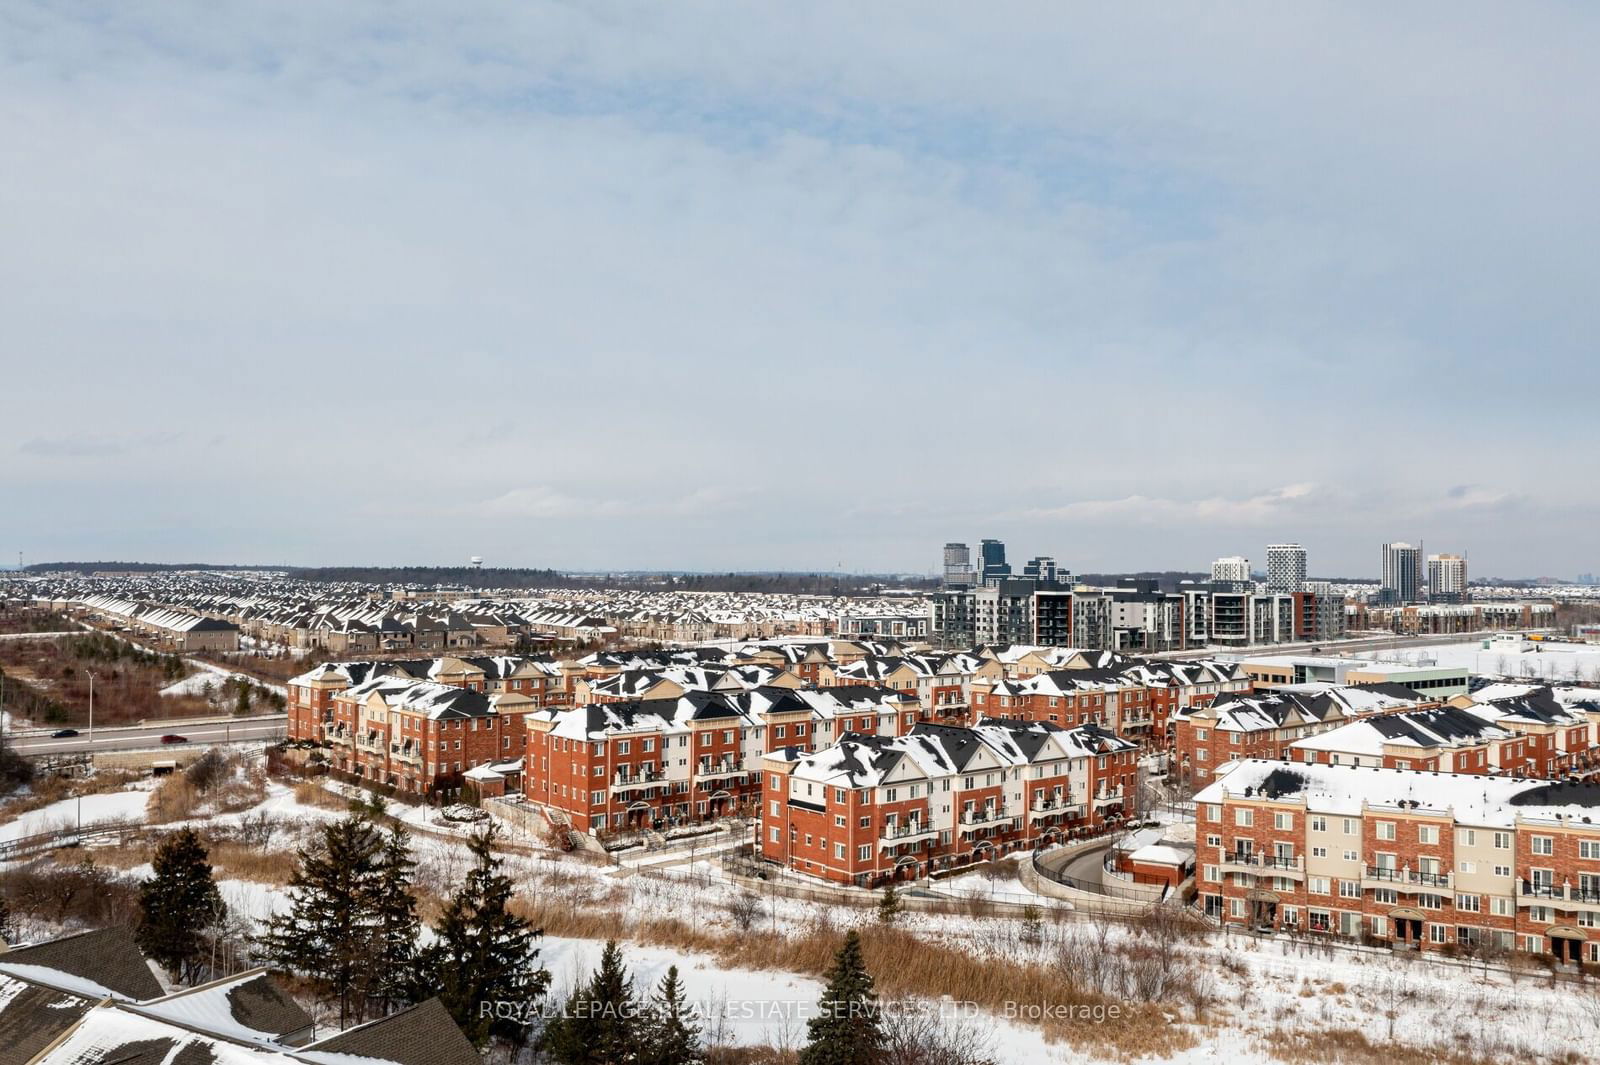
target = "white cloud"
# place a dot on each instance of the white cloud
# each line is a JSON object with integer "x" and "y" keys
{"x": 929, "y": 262}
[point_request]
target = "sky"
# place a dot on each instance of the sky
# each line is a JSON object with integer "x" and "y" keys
{"x": 801, "y": 286}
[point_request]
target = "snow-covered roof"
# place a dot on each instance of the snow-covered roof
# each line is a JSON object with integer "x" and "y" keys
{"x": 1346, "y": 790}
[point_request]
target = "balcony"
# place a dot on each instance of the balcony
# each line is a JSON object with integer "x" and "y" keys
{"x": 1562, "y": 896}
{"x": 373, "y": 743}
{"x": 625, "y": 782}
{"x": 1254, "y": 864}
{"x": 984, "y": 817}
{"x": 405, "y": 753}
{"x": 1109, "y": 799}
{"x": 724, "y": 768}
{"x": 1405, "y": 879}
{"x": 1052, "y": 807}
{"x": 906, "y": 832}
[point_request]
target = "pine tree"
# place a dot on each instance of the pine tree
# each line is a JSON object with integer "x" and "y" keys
{"x": 483, "y": 953}
{"x": 670, "y": 1036}
{"x": 177, "y": 904}
{"x": 329, "y": 933}
{"x": 890, "y": 906}
{"x": 848, "y": 1028}
{"x": 601, "y": 1024}
{"x": 393, "y": 971}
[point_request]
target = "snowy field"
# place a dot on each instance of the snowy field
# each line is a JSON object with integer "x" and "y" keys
{"x": 1553, "y": 663}
{"x": 1252, "y": 990}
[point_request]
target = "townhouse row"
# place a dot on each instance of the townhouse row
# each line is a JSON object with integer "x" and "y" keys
{"x": 1411, "y": 858}
{"x": 872, "y": 809}
{"x": 1508, "y": 730}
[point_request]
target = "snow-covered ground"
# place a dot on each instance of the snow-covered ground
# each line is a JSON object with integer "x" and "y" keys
{"x": 1552, "y": 663}
{"x": 110, "y": 807}
{"x": 1251, "y": 988}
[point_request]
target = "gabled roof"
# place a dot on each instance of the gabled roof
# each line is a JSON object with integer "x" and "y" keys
{"x": 106, "y": 958}
{"x": 32, "y": 1016}
{"x": 424, "y": 1034}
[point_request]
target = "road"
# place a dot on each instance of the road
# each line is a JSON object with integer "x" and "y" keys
{"x": 1330, "y": 648}
{"x": 130, "y": 737}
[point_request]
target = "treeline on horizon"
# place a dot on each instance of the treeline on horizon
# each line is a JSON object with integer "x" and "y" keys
{"x": 791, "y": 583}
{"x": 528, "y": 578}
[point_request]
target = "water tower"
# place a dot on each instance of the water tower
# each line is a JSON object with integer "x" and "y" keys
{"x": 477, "y": 562}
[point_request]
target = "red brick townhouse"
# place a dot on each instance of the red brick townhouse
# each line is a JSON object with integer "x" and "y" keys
{"x": 1064, "y": 697}
{"x": 1265, "y": 724}
{"x": 1408, "y": 857}
{"x": 644, "y": 763}
{"x": 1557, "y": 728}
{"x": 310, "y": 695}
{"x": 1490, "y": 738}
{"x": 419, "y": 736}
{"x": 874, "y": 808}
{"x": 1178, "y": 686}
{"x": 693, "y": 757}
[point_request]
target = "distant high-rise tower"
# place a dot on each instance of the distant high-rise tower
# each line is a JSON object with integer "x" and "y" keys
{"x": 1233, "y": 570}
{"x": 1286, "y": 567}
{"x": 1042, "y": 569}
{"x": 992, "y": 561}
{"x": 1447, "y": 578}
{"x": 1402, "y": 579}
{"x": 957, "y": 566}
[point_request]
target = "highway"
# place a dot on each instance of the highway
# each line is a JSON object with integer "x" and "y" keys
{"x": 1330, "y": 648}
{"x": 130, "y": 737}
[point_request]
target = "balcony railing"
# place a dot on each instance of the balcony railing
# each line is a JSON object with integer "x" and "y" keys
{"x": 984, "y": 815}
{"x": 1384, "y": 876}
{"x": 642, "y": 779}
{"x": 1110, "y": 799}
{"x": 405, "y": 754}
{"x": 906, "y": 831}
{"x": 1263, "y": 861}
{"x": 725, "y": 767}
{"x": 1567, "y": 892}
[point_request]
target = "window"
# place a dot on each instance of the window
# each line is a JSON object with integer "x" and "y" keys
{"x": 1319, "y": 824}
{"x": 1467, "y": 837}
{"x": 1283, "y": 822}
{"x": 1543, "y": 844}
{"x": 1350, "y": 826}
{"x": 1317, "y": 885}
{"x": 1589, "y": 849}
{"x": 1428, "y": 835}
{"x": 1468, "y": 903}
{"x": 1349, "y": 889}
{"x": 1213, "y": 812}
{"x": 1502, "y": 841}
{"x": 1244, "y": 818}
{"x": 1386, "y": 830}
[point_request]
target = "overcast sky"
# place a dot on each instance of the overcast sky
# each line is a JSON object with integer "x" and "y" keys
{"x": 715, "y": 286}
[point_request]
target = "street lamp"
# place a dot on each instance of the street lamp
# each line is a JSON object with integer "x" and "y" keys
{"x": 91, "y": 706}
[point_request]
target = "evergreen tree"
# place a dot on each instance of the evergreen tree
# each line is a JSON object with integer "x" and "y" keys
{"x": 393, "y": 970}
{"x": 483, "y": 953}
{"x": 890, "y": 906}
{"x": 602, "y": 1022}
{"x": 330, "y": 932}
{"x": 671, "y": 1036}
{"x": 848, "y": 1028}
{"x": 177, "y": 904}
